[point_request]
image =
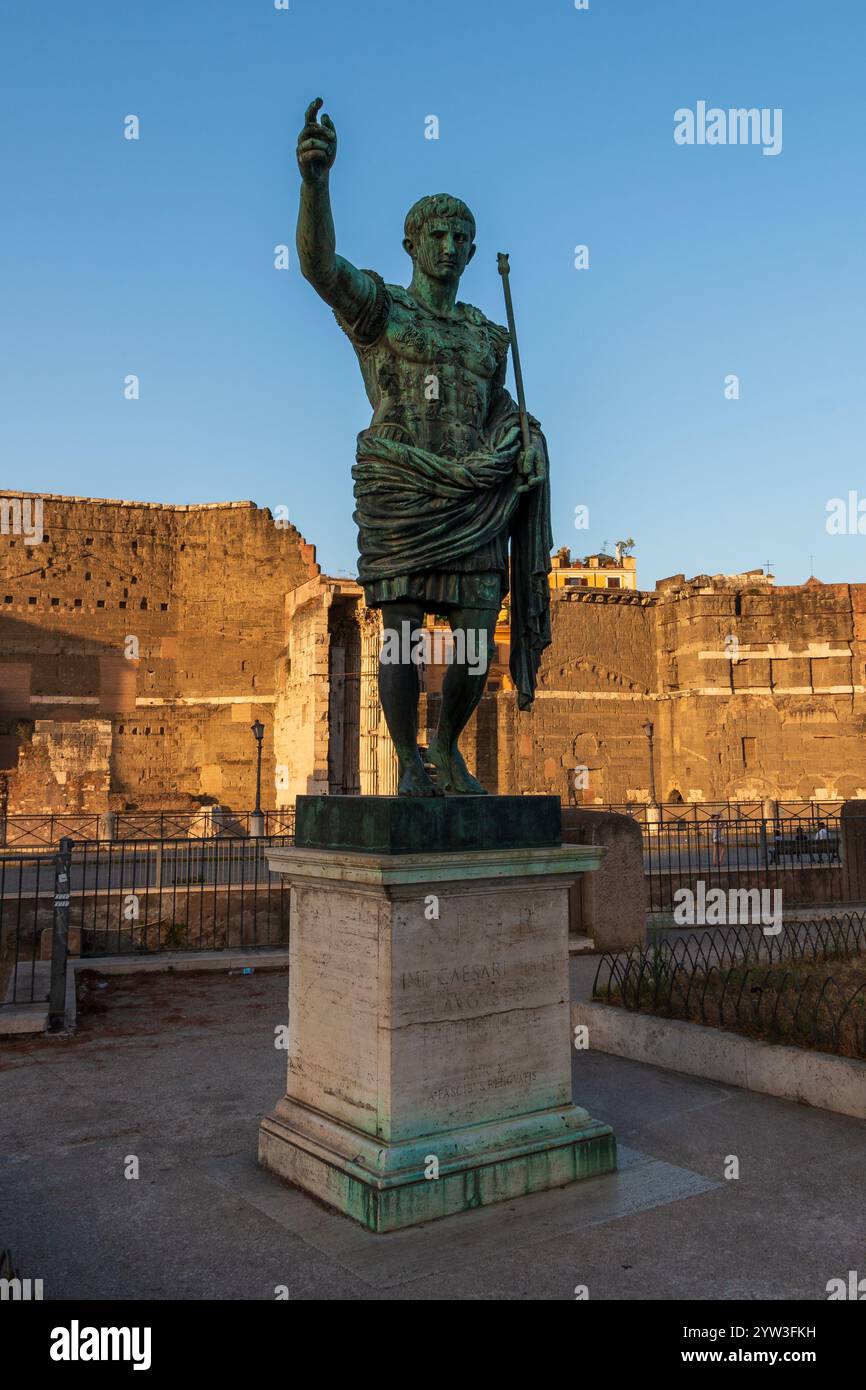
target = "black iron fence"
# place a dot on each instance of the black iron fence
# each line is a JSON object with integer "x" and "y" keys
{"x": 46, "y": 831}
{"x": 699, "y": 811}
{"x": 136, "y": 896}
{"x": 686, "y": 810}
{"x": 24, "y": 977}
{"x": 806, "y": 985}
{"x": 799, "y": 858}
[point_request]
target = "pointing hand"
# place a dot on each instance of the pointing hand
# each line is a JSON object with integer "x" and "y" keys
{"x": 317, "y": 145}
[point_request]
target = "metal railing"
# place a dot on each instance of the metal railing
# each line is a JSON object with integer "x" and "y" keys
{"x": 801, "y": 857}
{"x": 808, "y": 810}
{"x": 693, "y": 811}
{"x": 46, "y": 831}
{"x": 806, "y": 986}
{"x": 24, "y": 978}
{"x": 698, "y": 811}
{"x": 136, "y": 896}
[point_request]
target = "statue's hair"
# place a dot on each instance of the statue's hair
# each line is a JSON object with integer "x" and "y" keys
{"x": 436, "y": 205}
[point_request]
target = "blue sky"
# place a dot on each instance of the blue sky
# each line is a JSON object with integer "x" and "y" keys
{"x": 155, "y": 256}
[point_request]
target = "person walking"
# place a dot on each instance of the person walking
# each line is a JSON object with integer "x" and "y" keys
{"x": 717, "y": 841}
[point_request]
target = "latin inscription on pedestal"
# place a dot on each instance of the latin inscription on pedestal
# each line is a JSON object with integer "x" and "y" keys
{"x": 482, "y": 1003}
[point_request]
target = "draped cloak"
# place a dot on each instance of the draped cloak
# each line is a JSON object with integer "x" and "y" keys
{"x": 418, "y": 511}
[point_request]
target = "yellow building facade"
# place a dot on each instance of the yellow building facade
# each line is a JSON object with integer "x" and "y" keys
{"x": 594, "y": 572}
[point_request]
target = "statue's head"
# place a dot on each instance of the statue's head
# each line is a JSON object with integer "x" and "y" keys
{"x": 439, "y": 235}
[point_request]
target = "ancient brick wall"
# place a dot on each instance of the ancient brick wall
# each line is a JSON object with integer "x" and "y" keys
{"x": 754, "y": 693}
{"x": 164, "y": 620}
{"x": 761, "y": 692}
{"x": 301, "y": 731}
{"x": 594, "y": 693}
{"x": 329, "y": 728}
{"x": 139, "y": 642}
{"x": 63, "y": 766}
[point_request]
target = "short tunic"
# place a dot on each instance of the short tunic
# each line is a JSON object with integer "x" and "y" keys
{"x": 439, "y": 590}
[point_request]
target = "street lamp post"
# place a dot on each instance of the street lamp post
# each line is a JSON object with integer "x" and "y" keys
{"x": 257, "y": 819}
{"x": 648, "y": 730}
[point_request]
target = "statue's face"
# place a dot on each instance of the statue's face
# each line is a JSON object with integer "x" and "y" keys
{"x": 443, "y": 249}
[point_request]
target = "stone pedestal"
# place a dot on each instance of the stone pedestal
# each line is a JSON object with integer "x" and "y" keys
{"x": 429, "y": 1066}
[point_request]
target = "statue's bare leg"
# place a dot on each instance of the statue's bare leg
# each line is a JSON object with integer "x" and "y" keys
{"x": 461, "y": 690}
{"x": 399, "y": 688}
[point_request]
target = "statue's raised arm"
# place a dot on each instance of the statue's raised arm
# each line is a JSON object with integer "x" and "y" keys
{"x": 347, "y": 289}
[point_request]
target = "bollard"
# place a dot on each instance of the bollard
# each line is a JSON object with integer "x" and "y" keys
{"x": 60, "y": 937}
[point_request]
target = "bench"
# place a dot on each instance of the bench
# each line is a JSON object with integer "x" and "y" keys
{"x": 805, "y": 846}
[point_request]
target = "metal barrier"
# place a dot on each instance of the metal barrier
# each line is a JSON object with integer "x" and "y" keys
{"x": 778, "y": 988}
{"x": 801, "y": 858}
{"x": 133, "y": 896}
{"x": 44, "y": 832}
{"x": 698, "y": 811}
{"x": 689, "y": 811}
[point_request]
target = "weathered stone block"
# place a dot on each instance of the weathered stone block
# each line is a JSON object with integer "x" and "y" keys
{"x": 609, "y": 905}
{"x": 407, "y": 825}
{"x": 429, "y": 1061}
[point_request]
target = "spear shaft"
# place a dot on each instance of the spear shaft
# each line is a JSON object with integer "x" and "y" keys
{"x": 505, "y": 271}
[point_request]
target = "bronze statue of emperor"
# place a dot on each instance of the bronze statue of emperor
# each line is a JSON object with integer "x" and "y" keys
{"x": 452, "y": 507}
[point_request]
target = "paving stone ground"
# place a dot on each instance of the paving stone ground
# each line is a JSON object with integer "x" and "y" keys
{"x": 177, "y": 1071}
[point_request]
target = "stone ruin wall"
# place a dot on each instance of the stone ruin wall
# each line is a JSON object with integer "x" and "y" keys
{"x": 330, "y": 732}
{"x": 782, "y": 721}
{"x": 301, "y": 711}
{"x": 202, "y": 589}
{"x": 234, "y": 623}
{"x": 779, "y": 714}
{"x": 594, "y": 694}
{"x": 784, "y": 717}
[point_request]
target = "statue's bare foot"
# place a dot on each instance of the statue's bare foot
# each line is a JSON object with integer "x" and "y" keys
{"x": 452, "y": 773}
{"x": 438, "y": 757}
{"x": 461, "y": 778}
{"x": 415, "y": 782}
